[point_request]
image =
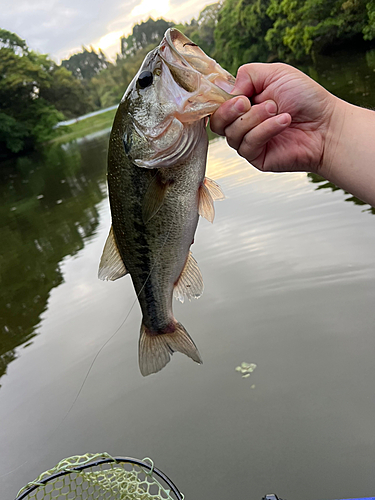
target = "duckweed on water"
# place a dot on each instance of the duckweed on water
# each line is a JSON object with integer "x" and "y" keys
{"x": 246, "y": 369}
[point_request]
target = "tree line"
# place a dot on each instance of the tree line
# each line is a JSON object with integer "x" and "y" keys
{"x": 36, "y": 93}
{"x": 293, "y": 31}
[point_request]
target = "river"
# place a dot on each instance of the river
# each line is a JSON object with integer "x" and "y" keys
{"x": 289, "y": 271}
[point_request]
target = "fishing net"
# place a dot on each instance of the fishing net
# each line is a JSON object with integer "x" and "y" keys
{"x": 101, "y": 477}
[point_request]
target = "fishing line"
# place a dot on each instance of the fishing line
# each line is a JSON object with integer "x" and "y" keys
{"x": 123, "y": 322}
{"x": 101, "y": 348}
{"x": 117, "y": 330}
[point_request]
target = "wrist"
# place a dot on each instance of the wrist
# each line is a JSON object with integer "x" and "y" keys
{"x": 348, "y": 159}
{"x": 334, "y": 142}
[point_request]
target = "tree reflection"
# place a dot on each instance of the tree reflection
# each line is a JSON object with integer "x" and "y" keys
{"x": 48, "y": 208}
{"x": 324, "y": 184}
{"x": 350, "y": 76}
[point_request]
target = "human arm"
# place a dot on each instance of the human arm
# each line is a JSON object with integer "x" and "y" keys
{"x": 308, "y": 128}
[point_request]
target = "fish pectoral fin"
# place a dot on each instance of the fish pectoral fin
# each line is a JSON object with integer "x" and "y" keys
{"x": 154, "y": 197}
{"x": 111, "y": 265}
{"x": 214, "y": 189}
{"x": 206, "y": 203}
{"x": 190, "y": 281}
{"x": 155, "y": 349}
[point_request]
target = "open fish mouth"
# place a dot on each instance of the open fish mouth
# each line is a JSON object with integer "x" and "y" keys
{"x": 189, "y": 65}
{"x": 179, "y": 86}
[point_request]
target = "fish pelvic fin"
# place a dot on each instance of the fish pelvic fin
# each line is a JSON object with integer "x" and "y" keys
{"x": 208, "y": 192}
{"x": 156, "y": 349}
{"x": 214, "y": 189}
{"x": 206, "y": 207}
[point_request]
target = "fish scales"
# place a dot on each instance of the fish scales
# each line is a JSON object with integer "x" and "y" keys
{"x": 157, "y": 189}
{"x": 155, "y": 254}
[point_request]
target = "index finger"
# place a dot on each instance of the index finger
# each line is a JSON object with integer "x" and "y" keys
{"x": 228, "y": 112}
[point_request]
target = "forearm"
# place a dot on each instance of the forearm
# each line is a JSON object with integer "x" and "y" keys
{"x": 349, "y": 155}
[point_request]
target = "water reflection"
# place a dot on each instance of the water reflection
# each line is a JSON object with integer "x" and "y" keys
{"x": 48, "y": 209}
{"x": 349, "y": 76}
{"x": 324, "y": 184}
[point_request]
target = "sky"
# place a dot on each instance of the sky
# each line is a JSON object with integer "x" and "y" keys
{"x": 60, "y": 27}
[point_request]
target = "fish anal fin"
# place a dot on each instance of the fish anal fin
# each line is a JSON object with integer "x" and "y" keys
{"x": 156, "y": 349}
{"x": 214, "y": 189}
{"x": 190, "y": 281}
{"x": 154, "y": 197}
{"x": 111, "y": 265}
{"x": 206, "y": 204}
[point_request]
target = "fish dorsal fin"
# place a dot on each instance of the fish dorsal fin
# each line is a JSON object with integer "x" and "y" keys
{"x": 214, "y": 189}
{"x": 154, "y": 197}
{"x": 190, "y": 281}
{"x": 111, "y": 265}
{"x": 206, "y": 203}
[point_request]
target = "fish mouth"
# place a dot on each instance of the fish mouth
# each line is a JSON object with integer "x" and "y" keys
{"x": 187, "y": 87}
{"x": 190, "y": 66}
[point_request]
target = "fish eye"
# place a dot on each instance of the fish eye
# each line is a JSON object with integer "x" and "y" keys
{"x": 145, "y": 79}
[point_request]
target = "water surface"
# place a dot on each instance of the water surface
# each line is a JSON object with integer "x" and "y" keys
{"x": 289, "y": 272}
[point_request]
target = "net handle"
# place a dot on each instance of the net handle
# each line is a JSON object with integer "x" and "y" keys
{"x": 80, "y": 468}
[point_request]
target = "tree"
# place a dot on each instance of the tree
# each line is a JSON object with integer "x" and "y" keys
{"x": 86, "y": 64}
{"x": 306, "y": 27}
{"x": 201, "y": 30}
{"x": 26, "y": 117}
{"x": 144, "y": 34}
{"x": 240, "y": 31}
{"x": 369, "y": 29}
{"x": 66, "y": 93}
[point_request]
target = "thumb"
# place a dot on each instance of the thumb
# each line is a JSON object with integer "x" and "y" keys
{"x": 253, "y": 78}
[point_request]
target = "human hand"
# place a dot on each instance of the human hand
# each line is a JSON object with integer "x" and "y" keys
{"x": 286, "y": 128}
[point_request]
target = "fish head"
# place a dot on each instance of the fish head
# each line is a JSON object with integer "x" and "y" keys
{"x": 163, "y": 110}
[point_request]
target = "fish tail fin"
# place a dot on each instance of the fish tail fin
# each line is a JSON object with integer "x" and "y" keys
{"x": 155, "y": 349}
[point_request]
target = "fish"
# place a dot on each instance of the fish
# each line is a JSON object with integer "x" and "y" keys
{"x": 157, "y": 188}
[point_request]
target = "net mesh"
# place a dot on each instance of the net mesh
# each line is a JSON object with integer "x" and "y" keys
{"x": 100, "y": 481}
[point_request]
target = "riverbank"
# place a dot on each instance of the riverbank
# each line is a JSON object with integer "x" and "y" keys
{"x": 81, "y": 128}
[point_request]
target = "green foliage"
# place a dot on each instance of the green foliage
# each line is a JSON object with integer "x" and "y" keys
{"x": 144, "y": 34}
{"x": 109, "y": 86}
{"x": 202, "y": 30}
{"x": 86, "y": 64}
{"x": 306, "y": 27}
{"x": 12, "y": 133}
{"x": 26, "y": 116}
{"x": 13, "y": 42}
{"x": 369, "y": 29}
{"x": 289, "y": 30}
{"x": 67, "y": 93}
{"x": 240, "y": 30}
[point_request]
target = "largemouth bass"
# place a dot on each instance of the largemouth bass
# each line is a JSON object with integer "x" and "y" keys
{"x": 157, "y": 188}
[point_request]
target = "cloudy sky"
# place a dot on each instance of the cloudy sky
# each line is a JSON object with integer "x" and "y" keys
{"x": 60, "y": 27}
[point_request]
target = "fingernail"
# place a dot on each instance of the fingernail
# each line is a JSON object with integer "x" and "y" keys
{"x": 271, "y": 107}
{"x": 241, "y": 105}
{"x": 282, "y": 119}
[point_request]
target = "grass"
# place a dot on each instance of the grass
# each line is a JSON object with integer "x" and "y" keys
{"x": 85, "y": 127}
{"x": 94, "y": 124}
